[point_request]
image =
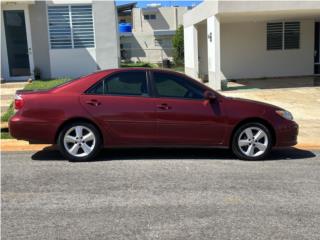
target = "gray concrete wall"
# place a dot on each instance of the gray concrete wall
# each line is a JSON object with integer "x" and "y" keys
{"x": 40, "y": 39}
{"x": 167, "y": 18}
{"x": 106, "y": 34}
{"x": 142, "y": 47}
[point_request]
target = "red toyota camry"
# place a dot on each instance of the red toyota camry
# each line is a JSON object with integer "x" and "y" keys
{"x": 147, "y": 108}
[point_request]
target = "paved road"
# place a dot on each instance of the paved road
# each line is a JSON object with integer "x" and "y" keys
{"x": 161, "y": 194}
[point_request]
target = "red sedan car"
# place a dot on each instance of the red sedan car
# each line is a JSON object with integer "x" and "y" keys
{"x": 147, "y": 108}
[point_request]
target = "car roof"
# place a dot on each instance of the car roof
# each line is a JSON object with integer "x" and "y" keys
{"x": 129, "y": 69}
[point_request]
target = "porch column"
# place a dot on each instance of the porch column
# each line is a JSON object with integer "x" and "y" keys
{"x": 191, "y": 51}
{"x": 214, "y": 68}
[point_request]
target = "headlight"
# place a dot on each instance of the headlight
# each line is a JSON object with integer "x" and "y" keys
{"x": 285, "y": 114}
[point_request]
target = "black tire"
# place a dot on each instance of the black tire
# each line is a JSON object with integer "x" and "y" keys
{"x": 94, "y": 151}
{"x": 235, "y": 143}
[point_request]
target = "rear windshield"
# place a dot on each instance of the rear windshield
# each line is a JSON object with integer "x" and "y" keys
{"x": 67, "y": 81}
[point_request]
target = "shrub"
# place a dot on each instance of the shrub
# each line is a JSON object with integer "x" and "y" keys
{"x": 178, "y": 45}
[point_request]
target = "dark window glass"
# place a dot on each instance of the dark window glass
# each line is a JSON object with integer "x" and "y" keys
{"x": 292, "y": 35}
{"x": 146, "y": 17}
{"x": 176, "y": 87}
{"x": 274, "y": 36}
{"x": 97, "y": 89}
{"x": 132, "y": 83}
{"x": 17, "y": 45}
{"x": 153, "y": 16}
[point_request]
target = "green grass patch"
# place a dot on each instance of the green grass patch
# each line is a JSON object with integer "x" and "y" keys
{"x": 139, "y": 64}
{"x": 10, "y": 111}
{"x": 178, "y": 68}
{"x": 5, "y": 134}
{"x": 35, "y": 85}
{"x": 44, "y": 84}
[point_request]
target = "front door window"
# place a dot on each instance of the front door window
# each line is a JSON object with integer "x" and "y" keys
{"x": 17, "y": 45}
{"x": 169, "y": 86}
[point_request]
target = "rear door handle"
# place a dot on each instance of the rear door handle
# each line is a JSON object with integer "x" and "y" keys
{"x": 164, "y": 106}
{"x": 93, "y": 102}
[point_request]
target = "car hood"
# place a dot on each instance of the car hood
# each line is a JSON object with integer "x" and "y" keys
{"x": 256, "y": 103}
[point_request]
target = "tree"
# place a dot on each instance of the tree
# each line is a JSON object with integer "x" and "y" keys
{"x": 178, "y": 45}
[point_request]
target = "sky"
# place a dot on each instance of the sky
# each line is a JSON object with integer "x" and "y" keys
{"x": 162, "y": 2}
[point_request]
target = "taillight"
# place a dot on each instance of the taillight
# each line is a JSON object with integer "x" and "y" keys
{"x": 18, "y": 102}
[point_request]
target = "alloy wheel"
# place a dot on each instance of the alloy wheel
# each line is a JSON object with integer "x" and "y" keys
{"x": 253, "y": 141}
{"x": 79, "y": 141}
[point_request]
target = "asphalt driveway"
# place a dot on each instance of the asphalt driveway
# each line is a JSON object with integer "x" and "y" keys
{"x": 161, "y": 194}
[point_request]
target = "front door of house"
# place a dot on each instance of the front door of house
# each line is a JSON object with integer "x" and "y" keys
{"x": 317, "y": 48}
{"x": 18, "y": 50}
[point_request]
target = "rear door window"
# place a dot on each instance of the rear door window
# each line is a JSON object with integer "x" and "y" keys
{"x": 132, "y": 83}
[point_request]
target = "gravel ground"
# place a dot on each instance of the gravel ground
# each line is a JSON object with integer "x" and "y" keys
{"x": 161, "y": 194}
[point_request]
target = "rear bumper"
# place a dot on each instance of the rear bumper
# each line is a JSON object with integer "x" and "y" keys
{"x": 32, "y": 130}
{"x": 287, "y": 134}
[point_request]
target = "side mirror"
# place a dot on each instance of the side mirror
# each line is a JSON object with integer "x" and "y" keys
{"x": 210, "y": 96}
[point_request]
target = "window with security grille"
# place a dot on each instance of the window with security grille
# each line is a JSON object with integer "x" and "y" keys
{"x": 274, "y": 36}
{"x": 71, "y": 26}
{"x": 291, "y": 35}
{"x": 150, "y": 17}
{"x": 283, "y": 35}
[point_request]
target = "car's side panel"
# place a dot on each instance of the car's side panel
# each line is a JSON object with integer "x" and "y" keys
{"x": 125, "y": 120}
{"x": 189, "y": 122}
{"x": 43, "y": 114}
{"x": 240, "y": 110}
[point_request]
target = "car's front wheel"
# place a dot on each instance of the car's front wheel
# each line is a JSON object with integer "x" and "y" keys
{"x": 79, "y": 141}
{"x": 252, "y": 141}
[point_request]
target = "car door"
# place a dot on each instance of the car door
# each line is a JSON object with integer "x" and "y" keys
{"x": 122, "y": 105}
{"x": 184, "y": 117}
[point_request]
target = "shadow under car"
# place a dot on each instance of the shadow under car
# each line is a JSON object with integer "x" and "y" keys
{"x": 51, "y": 154}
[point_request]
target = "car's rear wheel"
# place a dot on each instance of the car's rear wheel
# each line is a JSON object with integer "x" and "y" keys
{"x": 79, "y": 141}
{"x": 252, "y": 141}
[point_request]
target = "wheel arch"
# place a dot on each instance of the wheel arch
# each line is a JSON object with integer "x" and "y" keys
{"x": 78, "y": 119}
{"x": 255, "y": 120}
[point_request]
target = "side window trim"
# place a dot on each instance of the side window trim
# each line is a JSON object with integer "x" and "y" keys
{"x": 87, "y": 92}
{"x": 155, "y": 92}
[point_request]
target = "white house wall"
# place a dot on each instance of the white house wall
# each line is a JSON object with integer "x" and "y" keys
{"x": 191, "y": 51}
{"x": 244, "y": 54}
{"x": 203, "y": 50}
{"x": 82, "y": 61}
{"x": 40, "y": 38}
{"x": 106, "y": 34}
{"x": 72, "y": 62}
{"x": 214, "y": 51}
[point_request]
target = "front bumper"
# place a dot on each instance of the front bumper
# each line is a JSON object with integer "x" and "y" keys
{"x": 287, "y": 134}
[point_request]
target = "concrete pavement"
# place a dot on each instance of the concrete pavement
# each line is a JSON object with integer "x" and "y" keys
{"x": 161, "y": 194}
{"x": 7, "y": 92}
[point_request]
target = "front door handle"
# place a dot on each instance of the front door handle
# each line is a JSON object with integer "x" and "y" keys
{"x": 93, "y": 102}
{"x": 164, "y": 106}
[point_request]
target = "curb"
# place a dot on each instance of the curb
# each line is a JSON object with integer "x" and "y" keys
{"x": 4, "y": 125}
{"x": 11, "y": 145}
